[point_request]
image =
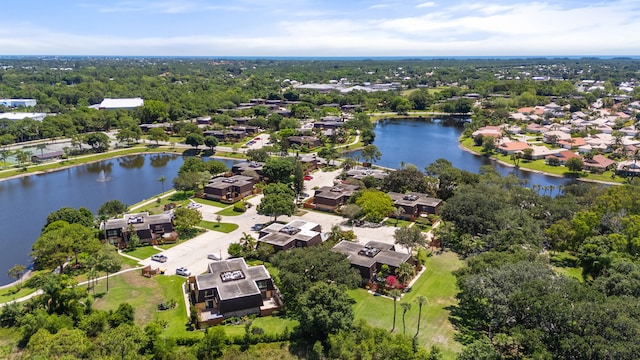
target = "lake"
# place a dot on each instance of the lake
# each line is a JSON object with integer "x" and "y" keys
{"x": 421, "y": 142}
{"x": 27, "y": 201}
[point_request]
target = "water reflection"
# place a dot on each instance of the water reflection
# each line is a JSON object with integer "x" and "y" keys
{"x": 131, "y": 161}
{"x": 161, "y": 160}
{"x": 96, "y": 168}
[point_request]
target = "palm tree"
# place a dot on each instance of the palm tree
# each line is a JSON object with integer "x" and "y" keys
{"x": 162, "y": 180}
{"x": 405, "y": 307}
{"x": 421, "y": 300}
{"x": 41, "y": 147}
{"x": 404, "y": 272}
{"x": 248, "y": 242}
{"x": 395, "y": 294}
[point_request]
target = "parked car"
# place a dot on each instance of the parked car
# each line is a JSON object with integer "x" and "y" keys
{"x": 183, "y": 271}
{"x": 215, "y": 257}
{"x": 308, "y": 177}
{"x": 159, "y": 258}
{"x": 257, "y": 227}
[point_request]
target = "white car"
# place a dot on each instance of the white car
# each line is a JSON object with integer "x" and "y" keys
{"x": 159, "y": 258}
{"x": 214, "y": 257}
{"x": 183, "y": 271}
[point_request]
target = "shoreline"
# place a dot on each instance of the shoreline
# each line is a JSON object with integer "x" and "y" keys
{"x": 461, "y": 147}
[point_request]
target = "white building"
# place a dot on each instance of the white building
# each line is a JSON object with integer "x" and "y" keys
{"x": 23, "y": 115}
{"x": 126, "y": 103}
{"x": 14, "y": 103}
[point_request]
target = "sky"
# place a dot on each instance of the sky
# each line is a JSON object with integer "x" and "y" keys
{"x": 315, "y": 28}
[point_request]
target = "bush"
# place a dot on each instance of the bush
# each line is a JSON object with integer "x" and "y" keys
{"x": 239, "y": 207}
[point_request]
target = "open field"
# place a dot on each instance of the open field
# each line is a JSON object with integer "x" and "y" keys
{"x": 438, "y": 285}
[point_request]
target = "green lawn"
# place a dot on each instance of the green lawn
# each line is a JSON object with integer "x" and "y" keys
{"x": 144, "y": 294}
{"x": 229, "y": 212}
{"x": 270, "y": 324}
{"x": 142, "y": 252}
{"x": 129, "y": 262}
{"x": 222, "y": 227}
{"x": 392, "y": 222}
{"x": 210, "y": 202}
{"x": 437, "y": 283}
{"x": 12, "y": 293}
{"x": 9, "y": 338}
{"x": 157, "y": 207}
{"x": 574, "y": 272}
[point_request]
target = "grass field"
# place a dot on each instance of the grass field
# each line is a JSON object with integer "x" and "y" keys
{"x": 228, "y": 212}
{"x": 210, "y": 202}
{"x": 12, "y": 293}
{"x": 270, "y": 324}
{"x": 437, "y": 283}
{"x": 142, "y": 252}
{"x": 222, "y": 227}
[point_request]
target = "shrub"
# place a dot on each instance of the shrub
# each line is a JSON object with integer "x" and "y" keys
{"x": 239, "y": 207}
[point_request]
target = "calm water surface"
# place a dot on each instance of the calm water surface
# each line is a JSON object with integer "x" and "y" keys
{"x": 26, "y": 202}
{"x": 421, "y": 142}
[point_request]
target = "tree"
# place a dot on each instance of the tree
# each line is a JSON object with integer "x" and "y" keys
{"x": 112, "y": 208}
{"x": 81, "y": 216}
{"x": 22, "y": 156}
{"x": 187, "y": 181}
{"x": 279, "y": 169}
{"x": 574, "y": 164}
{"x": 186, "y": 219}
{"x": 421, "y": 300}
{"x": 157, "y": 135}
{"x": 211, "y": 142}
{"x": 66, "y": 343}
{"x": 194, "y": 140}
{"x": 330, "y": 153}
{"x": 405, "y": 272}
{"x": 351, "y": 211}
{"x": 298, "y": 179}
{"x": 16, "y": 272}
{"x": 405, "y": 307}
{"x": 397, "y": 213}
{"x": 260, "y": 155}
{"x": 108, "y": 260}
{"x": 98, "y": 141}
{"x": 61, "y": 241}
{"x": 324, "y": 309}
{"x": 278, "y": 200}
{"x": 394, "y": 294}
{"x": 367, "y": 136}
{"x": 409, "y": 178}
{"x": 124, "y": 342}
{"x": 370, "y": 153}
{"x": 348, "y": 164}
{"x": 375, "y": 204}
{"x": 410, "y": 237}
{"x": 212, "y": 344}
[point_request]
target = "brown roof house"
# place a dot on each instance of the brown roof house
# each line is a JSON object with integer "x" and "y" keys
{"x": 369, "y": 258}
{"x": 563, "y": 156}
{"x": 297, "y": 233}
{"x": 329, "y": 198}
{"x": 512, "y": 147}
{"x": 230, "y": 288}
{"x": 229, "y": 189}
{"x": 598, "y": 164}
{"x": 415, "y": 204}
{"x": 151, "y": 229}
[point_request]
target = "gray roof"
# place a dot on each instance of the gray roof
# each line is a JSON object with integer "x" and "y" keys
{"x": 224, "y": 182}
{"x": 233, "y": 288}
{"x": 414, "y": 198}
{"x": 356, "y": 253}
{"x": 336, "y": 191}
{"x": 138, "y": 221}
{"x": 280, "y": 235}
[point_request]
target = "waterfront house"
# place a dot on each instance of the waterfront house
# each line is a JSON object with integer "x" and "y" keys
{"x": 563, "y": 156}
{"x": 598, "y": 164}
{"x": 151, "y": 229}
{"x": 512, "y": 147}
{"x": 230, "y": 288}
{"x": 229, "y": 189}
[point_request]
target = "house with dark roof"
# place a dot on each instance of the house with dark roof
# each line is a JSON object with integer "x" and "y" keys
{"x": 329, "y": 198}
{"x": 48, "y": 156}
{"x": 369, "y": 258}
{"x": 415, "y": 204}
{"x": 229, "y": 189}
{"x": 241, "y": 167}
{"x": 230, "y": 288}
{"x": 308, "y": 141}
{"x": 151, "y": 229}
{"x": 297, "y": 233}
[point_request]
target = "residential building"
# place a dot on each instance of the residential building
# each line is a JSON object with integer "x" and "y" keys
{"x": 329, "y": 198}
{"x": 308, "y": 141}
{"x": 38, "y": 158}
{"x": 23, "y": 115}
{"x": 369, "y": 258}
{"x": 298, "y": 233}
{"x": 598, "y": 164}
{"x": 415, "y": 204}
{"x": 230, "y": 288}
{"x": 563, "y": 156}
{"x": 628, "y": 168}
{"x": 124, "y": 103}
{"x": 512, "y": 147}
{"x": 241, "y": 167}
{"x": 229, "y": 189}
{"x": 151, "y": 229}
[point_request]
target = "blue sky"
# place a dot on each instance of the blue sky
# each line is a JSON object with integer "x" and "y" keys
{"x": 320, "y": 28}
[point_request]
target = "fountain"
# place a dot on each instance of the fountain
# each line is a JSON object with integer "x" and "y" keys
{"x": 103, "y": 177}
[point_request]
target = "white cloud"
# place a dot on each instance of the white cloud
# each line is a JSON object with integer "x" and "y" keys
{"x": 379, "y": 6}
{"x": 426, "y": 4}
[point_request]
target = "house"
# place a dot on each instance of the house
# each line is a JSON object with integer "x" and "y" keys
{"x": 552, "y": 137}
{"x": 360, "y": 174}
{"x": 536, "y": 128}
{"x": 311, "y": 162}
{"x": 241, "y": 167}
{"x": 229, "y": 189}
{"x": 23, "y": 115}
{"x": 512, "y": 147}
{"x": 598, "y": 164}
{"x": 329, "y": 198}
{"x": 369, "y": 258}
{"x": 230, "y": 288}
{"x": 297, "y": 233}
{"x": 415, "y": 204}
{"x": 38, "y": 158}
{"x": 628, "y": 168}
{"x": 572, "y": 143}
{"x": 151, "y": 229}
{"x": 563, "y": 156}
{"x": 308, "y": 141}
{"x": 203, "y": 120}
{"x": 493, "y": 131}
